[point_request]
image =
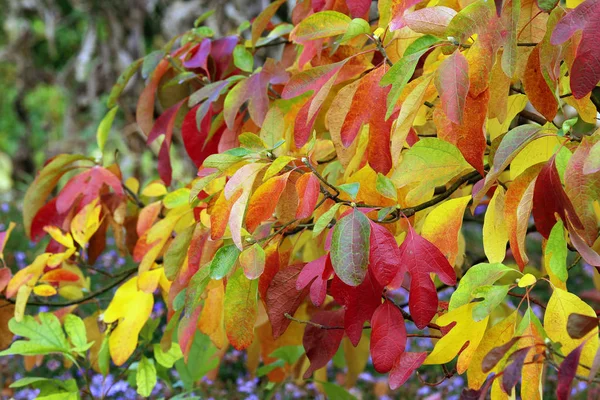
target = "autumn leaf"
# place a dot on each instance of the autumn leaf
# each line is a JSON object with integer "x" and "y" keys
{"x": 465, "y": 331}
{"x": 284, "y": 298}
{"x": 585, "y": 72}
{"x": 350, "y": 248}
{"x": 421, "y": 259}
{"x": 452, "y": 83}
{"x": 240, "y": 305}
{"x": 322, "y": 344}
{"x": 130, "y": 308}
{"x": 388, "y": 337}
{"x": 560, "y": 306}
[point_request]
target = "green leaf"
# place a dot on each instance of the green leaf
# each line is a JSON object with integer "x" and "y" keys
{"x": 333, "y": 391}
{"x": 201, "y": 359}
{"x": 492, "y": 297}
{"x": 221, "y": 161}
{"x": 384, "y": 212}
{"x": 350, "y": 188}
{"x": 203, "y": 18}
{"x": 277, "y": 165}
{"x": 122, "y": 81}
{"x": 289, "y": 354}
{"x": 104, "y": 127}
{"x": 251, "y": 141}
{"x": 350, "y": 248}
{"x": 177, "y": 251}
{"x": 167, "y": 359}
{"x": 104, "y": 357}
{"x": 325, "y": 219}
{"x": 385, "y": 186}
{"x": 198, "y": 185}
{"x": 150, "y": 62}
{"x": 194, "y": 290}
{"x": 242, "y": 58}
{"x": 224, "y": 261}
{"x": 149, "y": 328}
{"x": 429, "y": 163}
{"x": 50, "y": 389}
{"x": 320, "y": 25}
{"x": 357, "y": 27}
{"x": 76, "y": 332}
{"x": 177, "y": 198}
{"x": 556, "y": 251}
{"x": 265, "y": 369}
{"x": 477, "y": 276}
{"x": 145, "y": 377}
{"x": 44, "y": 338}
{"x": 401, "y": 72}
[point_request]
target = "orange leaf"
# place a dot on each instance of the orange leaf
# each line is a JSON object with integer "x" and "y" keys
{"x": 469, "y": 136}
{"x": 537, "y": 89}
{"x": 264, "y": 200}
{"x": 59, "y": 275}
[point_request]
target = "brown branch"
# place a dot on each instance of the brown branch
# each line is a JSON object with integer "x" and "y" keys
{"x": 121, "y": 278}
{"x": 531, "y": 299}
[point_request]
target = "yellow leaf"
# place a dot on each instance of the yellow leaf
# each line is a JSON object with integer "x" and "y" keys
{"x": 560, "y": 306}
{"x": 132, "y": 184}
{"x": 442, "y": 226}
{"x": 86, "y": 222}
{"x": 4, "y": 239}
{"x": 527, "y": 280}
{"x": 44, "y": 290}
{"x": 148, "y": 280}
{"x": 495, "y": 233}
{"x": 131, "y": 308}
{"x": 28, "y": 275}
{"x": 516, "y": 104}
{"x": 211, "y": 319}
{"x": 154, "y": 189}
{"x": 465, "y": 330}
{"x": 539, "y": 150}
{"x": 531, "y": 383}
{"x": 63, "y": 238}
{"x": 356, "y": 359}
{"x": 495, "y": 336}
{"x": 21, "y": 302}
{"x": 70, "y": 292}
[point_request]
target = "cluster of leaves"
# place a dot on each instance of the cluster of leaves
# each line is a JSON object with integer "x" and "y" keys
{"x": 335, "y": 178}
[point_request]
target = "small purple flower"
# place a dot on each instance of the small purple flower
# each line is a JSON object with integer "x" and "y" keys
{"x": 53, "y": 365}
{"x": 5, "y": 207}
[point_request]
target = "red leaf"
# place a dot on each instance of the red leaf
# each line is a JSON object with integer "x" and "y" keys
{"x": 384, "y": 256}
{"x": 360, "y": 303}
{"x": 549, "y": 198}
{"x": 271, "y": 269}
{"x": 388, "y": 336}
{"x": 59, "y": 275}
{"x": 422, "y": 258}
{"x": 316, "y": 273}
{"x": 308, "y": 188}
{"x": 195, "y": 140}
{"x": 452, "y": 83}
{"x": 87, "y": 186}
{"x": 164, "y": 126}
{"x": 282, "y": 297}
{"x": 322, "y": 344}
{"x": 494, "y": 355}
{"x": 585, "y": 72}
{"x": 512, "y": 372}
{"x": 358, "y": 8}
{"x": 566, "y": 373}
{"x": 403, "y": 368}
